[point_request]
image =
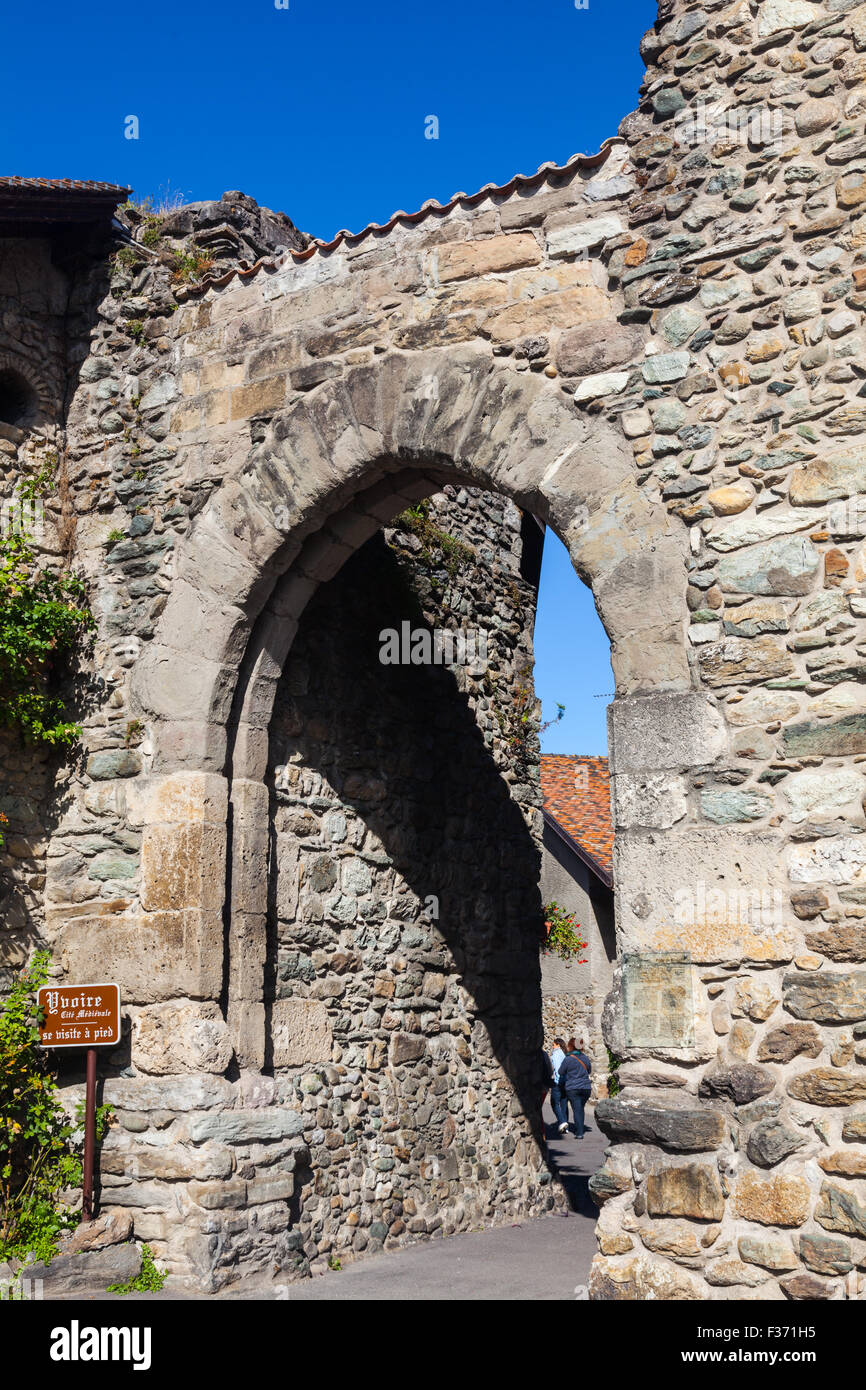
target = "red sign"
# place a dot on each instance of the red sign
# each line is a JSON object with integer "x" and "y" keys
{"x": 79, "y": 1015}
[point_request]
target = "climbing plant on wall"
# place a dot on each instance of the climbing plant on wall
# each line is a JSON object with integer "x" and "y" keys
{"x": 43, "y": 616}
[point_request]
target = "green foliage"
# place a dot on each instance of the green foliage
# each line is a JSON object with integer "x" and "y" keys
{"x": 561, "y": 933}
{"x": 40, "y": 1146}
{"x": 335, "y": 1263}
{"x": 38, "y": 484}
{"x": 127, "y": 256}
{"x": 134, "y": 732}
{"x": 115, "y": 536}
{"x": 43, "y": 616}
{"x": 613, "y": 1065}
{"x": 135, "y": 329}
{"x": 148, "y": 1280}
{"x": 434, "y": 541}
{"x": 151, "y": 234}
{"x": 190, "y": 265}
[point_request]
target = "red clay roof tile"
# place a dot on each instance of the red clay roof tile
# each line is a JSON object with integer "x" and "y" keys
{"x": 576, "y": 792}
{"x": 544, "y": 171}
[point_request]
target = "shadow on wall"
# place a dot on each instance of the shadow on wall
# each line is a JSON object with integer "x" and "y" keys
{"x": 421, "y": 811}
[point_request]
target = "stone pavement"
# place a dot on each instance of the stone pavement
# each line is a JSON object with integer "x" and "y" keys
{"x": 542, "y": 1259}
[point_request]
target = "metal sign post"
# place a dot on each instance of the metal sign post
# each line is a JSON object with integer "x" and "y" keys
{"x": 82, "y": 1016}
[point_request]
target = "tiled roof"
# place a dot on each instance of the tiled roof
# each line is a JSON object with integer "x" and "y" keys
{"x": 58, "y": 200}
{"x": 503, "y": 190}
{"x": 15, "y": 181}
{"x": 576, "y": 792}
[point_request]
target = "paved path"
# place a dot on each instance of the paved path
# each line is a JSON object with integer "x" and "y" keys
{"x": 542, "y": 1259}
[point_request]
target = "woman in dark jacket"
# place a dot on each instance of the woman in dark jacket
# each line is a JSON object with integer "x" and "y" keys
{"x": 574, "y": 1074}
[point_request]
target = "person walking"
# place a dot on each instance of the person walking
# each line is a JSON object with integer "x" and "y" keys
{"x": 574, "y": 1073}
{"x": 557, "y": 1092}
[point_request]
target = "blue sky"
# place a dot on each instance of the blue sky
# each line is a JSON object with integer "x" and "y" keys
{"x": 319, "y": 110}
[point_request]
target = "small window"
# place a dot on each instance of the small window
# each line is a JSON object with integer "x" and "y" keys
{"x": 17, "y": 397}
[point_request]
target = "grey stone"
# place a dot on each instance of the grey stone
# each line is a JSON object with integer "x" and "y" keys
{"x": 87, "y": 1273}
{"x": 826, "y": 997}
{"x": 677, "y": 1127}
{"x": 246, "y": 1126}
{"x": 771, "y": 1141}
{"x": 664, "y": 367}
{"x": 824, "y": 1255}
{"x": 739, "y": 1082}
{"x": 725, "y": 806}
{"x": 784, "y": 566}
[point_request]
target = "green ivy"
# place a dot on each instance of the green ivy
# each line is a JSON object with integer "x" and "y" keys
{"x": 42, "y": 617}
{"x": 40, "y": 1145}
{"x": 561, "y": 936}
{"x": 148, "y": 1280}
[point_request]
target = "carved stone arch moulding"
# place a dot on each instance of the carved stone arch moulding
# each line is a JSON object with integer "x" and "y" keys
{"x": 332, "y": 469}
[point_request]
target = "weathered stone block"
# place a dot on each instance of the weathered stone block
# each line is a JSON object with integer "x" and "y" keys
{"x": 180, "y": 1037}
{"x": 460, "y": 259}
{"x": 675, "y": 1126}
{"x": 257, "y": 397}
{"x": 741, "y": 1083}
{"x": 716, "y": 894}
{"x": 183, "y": 866}
{"x": 174, "y": 1093}
{"x": 827, "y": 1086}
{"x": 775, "y": 1255}
{"x": 741, "y": 660}
{"x": 824, "y": 1255}
{"x": 301, "y": 1032}
{"x": 596, "y": 347}
{"x": 246, "y": 1126}
{"x": 778, "y": 1201}
{"x": 638, "y": 1279}
{"x": 182, "y": 797}
{"x": 693, "y": 1191}
{"x": 669, "y": 732}
{"x": 825, "y": 997}
{"x": 839, "y": 1210}
{"x": 569, "y": 237}
{"x": 406, "y": 1047}
{"x": 788, "y": 565}
{"x": 564, "y": 309}
{"x": 87, "y": 1273}
{"x": 155, "y": 955}
{"x": 847, "y": 1163}
{"x": 771, "y": 1141}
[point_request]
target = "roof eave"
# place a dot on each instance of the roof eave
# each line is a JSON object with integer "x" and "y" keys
{"x": 603, "y": 875}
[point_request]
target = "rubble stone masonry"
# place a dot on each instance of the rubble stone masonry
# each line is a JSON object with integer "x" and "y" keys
{"x": 657, "y": 351}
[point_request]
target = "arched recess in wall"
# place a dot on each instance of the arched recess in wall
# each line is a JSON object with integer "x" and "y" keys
{"x": 334, "y": 468}
{"x": 25, "y": 393}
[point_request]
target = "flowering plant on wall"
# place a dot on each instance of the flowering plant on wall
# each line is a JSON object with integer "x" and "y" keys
{"x": 561, "y": 934}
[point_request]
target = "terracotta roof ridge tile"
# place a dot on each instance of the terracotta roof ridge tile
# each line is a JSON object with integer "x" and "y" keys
{"x": 544, "y": 171}
{"x": 37, "y": 185}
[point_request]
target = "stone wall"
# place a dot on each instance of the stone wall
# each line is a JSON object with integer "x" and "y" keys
{"x": 657, "y": 351}
{"x": 573, "y": 993}
{"x": 405, "y": 912}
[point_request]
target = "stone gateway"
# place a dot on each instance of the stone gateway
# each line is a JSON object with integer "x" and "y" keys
{"x": 314, "y": 875}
